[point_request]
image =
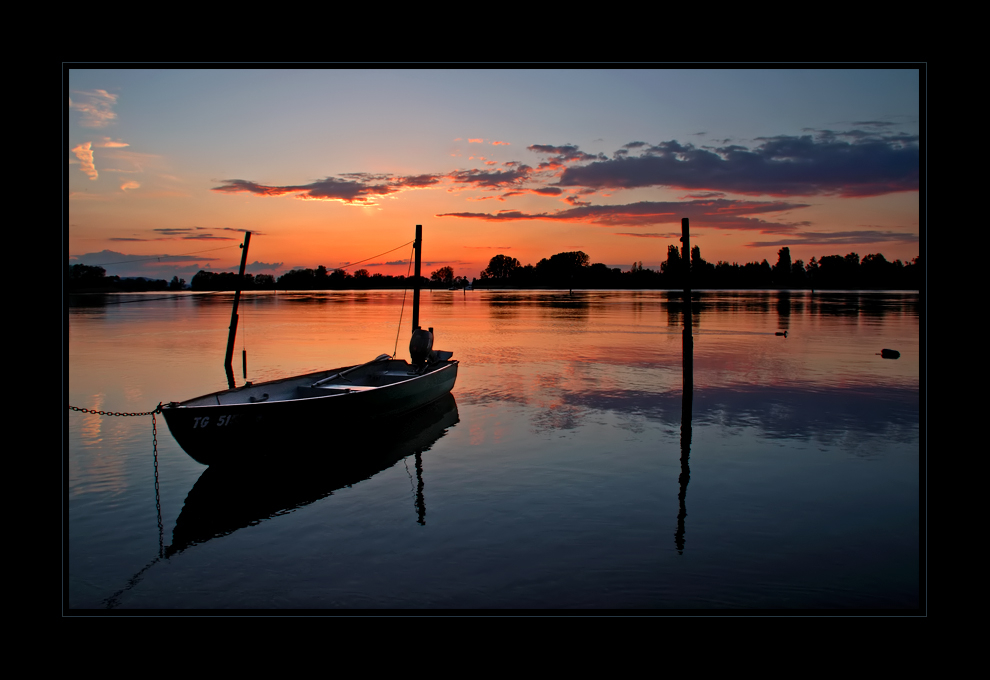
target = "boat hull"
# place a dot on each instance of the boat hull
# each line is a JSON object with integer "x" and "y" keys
{"x": 228, "y": 433}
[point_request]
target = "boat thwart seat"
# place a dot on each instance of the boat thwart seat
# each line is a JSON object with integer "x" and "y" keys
{"x": 306, "y": 391}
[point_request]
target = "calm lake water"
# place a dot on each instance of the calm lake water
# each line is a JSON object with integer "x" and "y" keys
{"x": 569, "y": 470}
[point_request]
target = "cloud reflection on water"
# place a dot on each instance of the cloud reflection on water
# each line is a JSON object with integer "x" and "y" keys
{"x": 777, "y": 412}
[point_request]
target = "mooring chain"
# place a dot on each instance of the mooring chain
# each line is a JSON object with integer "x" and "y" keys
{"x": 158, "y": 502}
{"x": 114, "y": 413}
{"x": 154, "y": 444}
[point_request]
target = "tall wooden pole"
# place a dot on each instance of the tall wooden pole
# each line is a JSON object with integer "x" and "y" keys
{"x": 686, "y": 259}
{"x": 688, "y": 338}
{"x": 232, "y": 332}
{"x": 687, "y": 359}
{"x": 686, "y": 264}
{"x": 418, "y": 248}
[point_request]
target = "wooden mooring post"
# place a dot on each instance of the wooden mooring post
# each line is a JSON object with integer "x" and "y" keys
{"x": 687, "y": 398}
{"x": 232, "y": 331}
{"x": 686, "y": 302}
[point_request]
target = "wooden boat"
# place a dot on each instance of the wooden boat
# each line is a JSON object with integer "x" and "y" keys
{"x": 260, "y": 419}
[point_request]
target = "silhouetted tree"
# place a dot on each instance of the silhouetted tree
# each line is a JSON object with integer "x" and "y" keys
{"x": 852, "y": 270}
{"x": 321, "y": 278}
{"x": 913, "y": 274}
{"x": 876, "y": 272}
{"x": 205, "y": 280}
{"x": 525, "y": 277}
{"x": 444, "y": 275}
{"x": 799, "y": 278}
{"x": 702, "y": 272}
{"x": 812, "y": 271}
{"x": 339, "y": 279}
{"x": 765, "y": 275}
{"x": 295, "y": 279}
{"x": 84, "y": 276}
{"x": 500, "y": 267}
{"x": 831, "y": 272}
{"x": 836, "y": 271}
{"x": 724, "y": 275}
{"x": 781, "y": 276}
{"x": 671, "y": 269}
{"x": 562, "y": 270}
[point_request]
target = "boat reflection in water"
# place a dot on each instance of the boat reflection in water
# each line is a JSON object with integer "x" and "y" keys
{"x": 228, "y": 497}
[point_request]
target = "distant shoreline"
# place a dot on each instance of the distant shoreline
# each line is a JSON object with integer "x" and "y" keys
{"x": 110, "y": 291}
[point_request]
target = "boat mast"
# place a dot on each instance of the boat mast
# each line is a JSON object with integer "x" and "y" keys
{"x": 418, "y": 248}
{"x": 421, "y": 343}
{"x": 233, "y": 314}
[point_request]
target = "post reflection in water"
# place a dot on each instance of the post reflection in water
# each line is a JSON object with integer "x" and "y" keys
{"x": 686, "y": 402}
{"x": 420, "y": 500}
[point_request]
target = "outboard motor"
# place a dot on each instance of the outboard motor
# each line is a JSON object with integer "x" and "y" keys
{"x": 420, "y": 345}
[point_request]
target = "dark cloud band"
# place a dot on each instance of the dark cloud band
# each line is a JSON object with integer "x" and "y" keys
{"x": 780, "y": 166}
{"x": 361, "y": 188}
{"x": 719, "y": 213}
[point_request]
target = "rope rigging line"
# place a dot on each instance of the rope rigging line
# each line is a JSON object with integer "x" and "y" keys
{"x": 402, "y": 309}
{"x": 351, "y": 264}
{"x": 214, "y": 292}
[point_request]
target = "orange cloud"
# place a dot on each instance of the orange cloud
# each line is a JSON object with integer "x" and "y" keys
{"x": 129, "y": 185}
{"x": 499, "y": 143}
{"x": 84, "y": 152}
{"x": 475, "y": 141}
{"x": 95, "y": 108}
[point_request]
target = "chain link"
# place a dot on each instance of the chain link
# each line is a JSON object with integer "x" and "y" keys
{"x": 114, "y": 413}
{"x": 158, "y": 502}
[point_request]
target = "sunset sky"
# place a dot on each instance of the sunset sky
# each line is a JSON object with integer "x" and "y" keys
{"x": 332, "y": 166}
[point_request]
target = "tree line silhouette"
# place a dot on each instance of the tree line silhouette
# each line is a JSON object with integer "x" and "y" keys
{"x": 83, "y": 278}
{"x": 92, "y": 279}
{"x": 563, "y": 270}
{"x": 573, "y": 270}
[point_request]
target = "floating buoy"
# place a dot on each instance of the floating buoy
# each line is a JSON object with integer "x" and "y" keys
{"x": 784, "y": 333}
{"x": 889, "y": 353}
